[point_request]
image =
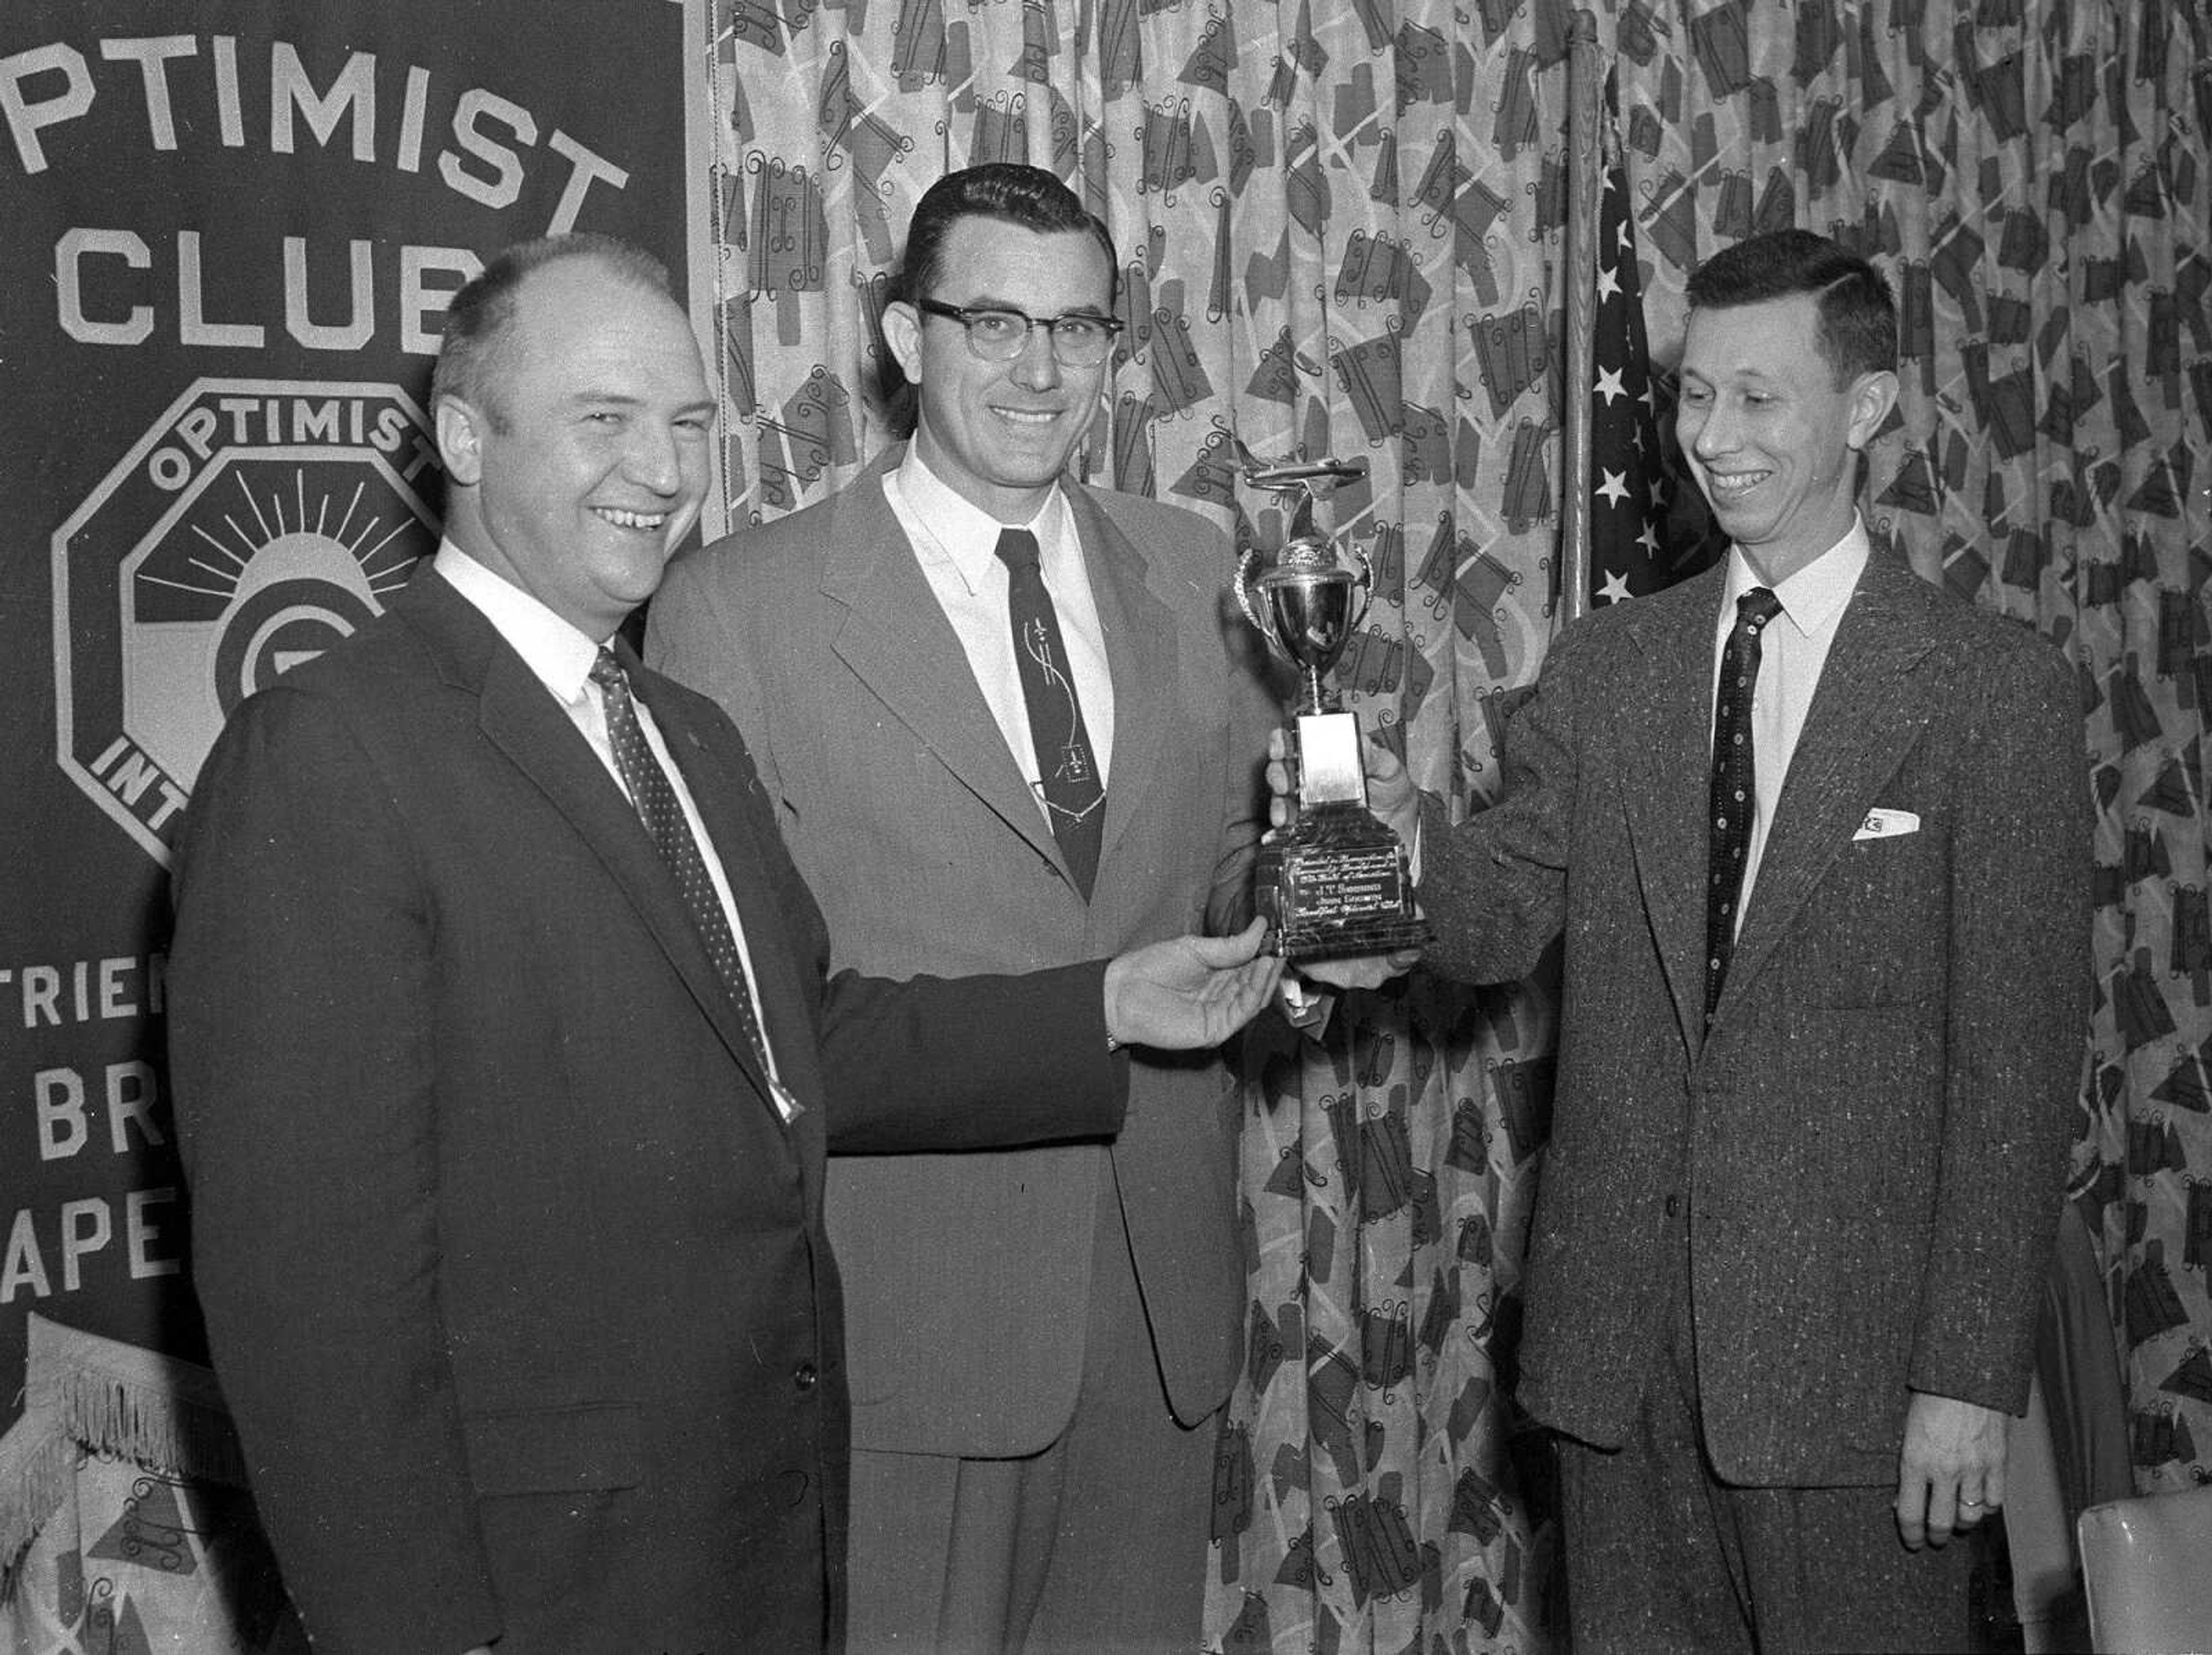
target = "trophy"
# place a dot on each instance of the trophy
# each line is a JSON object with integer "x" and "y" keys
{"x": 1337, "y": 882}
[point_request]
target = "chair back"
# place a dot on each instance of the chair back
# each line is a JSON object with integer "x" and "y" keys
{"x": 2147, "y": 1571}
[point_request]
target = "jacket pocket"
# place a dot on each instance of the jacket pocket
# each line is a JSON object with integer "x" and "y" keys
{"x": 535, "y": 1450}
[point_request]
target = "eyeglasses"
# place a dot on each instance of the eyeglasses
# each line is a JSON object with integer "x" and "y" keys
{"x": 1079, "y": 338}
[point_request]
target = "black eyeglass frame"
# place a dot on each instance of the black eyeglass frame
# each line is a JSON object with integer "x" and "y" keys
{"x": 968, "y": 315}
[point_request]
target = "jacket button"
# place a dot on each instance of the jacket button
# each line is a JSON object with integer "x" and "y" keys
{"x": 1674, "y": 1205}
{"x": 804, "y": 1376}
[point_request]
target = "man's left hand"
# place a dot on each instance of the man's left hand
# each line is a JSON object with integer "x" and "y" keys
{"x": 1190, "y": 992}
{"x": 1951, "y": 1470}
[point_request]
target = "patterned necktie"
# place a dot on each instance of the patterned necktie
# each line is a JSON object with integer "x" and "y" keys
{"x": 1733, "y": 799}
{"x": 651, "y": 791}
{"x": 1069, "y": 785}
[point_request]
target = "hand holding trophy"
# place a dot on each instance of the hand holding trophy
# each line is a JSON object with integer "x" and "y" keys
{"x": 1336, "y": 882}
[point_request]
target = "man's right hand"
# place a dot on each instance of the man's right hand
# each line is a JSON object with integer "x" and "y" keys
{"x": 1190, "y": 992}
{"x": 1360, "y": 971}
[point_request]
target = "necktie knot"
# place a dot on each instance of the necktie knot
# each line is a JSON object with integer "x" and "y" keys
{"x": 606, "y": 671}
{"x": 1757, "y": 607}
{"x": 1018, "y": 550}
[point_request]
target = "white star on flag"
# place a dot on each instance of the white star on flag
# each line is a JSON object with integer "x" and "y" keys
{"x": 1629, "y": 548}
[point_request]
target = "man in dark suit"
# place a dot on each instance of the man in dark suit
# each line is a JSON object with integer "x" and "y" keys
{"x": 1826, "y": 975}
{"x": 505, "y": 1055}
{"x": 1041, "y": 1339}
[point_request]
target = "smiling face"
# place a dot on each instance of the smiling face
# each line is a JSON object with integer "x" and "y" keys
{"x": 582, "y": 463}
{"x": 1771, "y": 438}
{"x": 1000, "y": 433}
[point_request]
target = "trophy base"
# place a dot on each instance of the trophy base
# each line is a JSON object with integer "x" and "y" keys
{"x": 1337, "y": 884}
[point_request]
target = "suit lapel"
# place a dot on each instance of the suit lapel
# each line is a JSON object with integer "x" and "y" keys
{"x": 1140, "y": 631}
{"x": 1668, "y": 760}
{"x": 898, "y": 642}
{"x": 1867, "y": 715}
{"x": 521, "y": 720}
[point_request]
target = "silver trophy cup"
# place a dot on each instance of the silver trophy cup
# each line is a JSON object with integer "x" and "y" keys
{"x": 1337, "y": 881}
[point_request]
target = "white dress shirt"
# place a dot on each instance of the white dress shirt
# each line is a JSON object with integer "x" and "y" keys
{"x": 561, "y": 657}
{"x": 957, "y": 546}
{"x": 1793, "y": 649}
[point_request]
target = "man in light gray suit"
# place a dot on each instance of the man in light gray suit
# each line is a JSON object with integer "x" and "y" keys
{"x": 1816, "y": 836}
{"x": 999, "y": 718}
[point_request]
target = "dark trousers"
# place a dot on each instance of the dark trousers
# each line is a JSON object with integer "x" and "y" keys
{"x": 1662, "y": 1555}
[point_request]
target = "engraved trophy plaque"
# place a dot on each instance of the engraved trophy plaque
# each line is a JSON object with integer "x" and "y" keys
{"x": 1337, "y": 882}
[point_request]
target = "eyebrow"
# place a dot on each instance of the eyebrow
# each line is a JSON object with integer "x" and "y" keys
{"x": 991, "y": 301}
{"x": 588, "y": 397}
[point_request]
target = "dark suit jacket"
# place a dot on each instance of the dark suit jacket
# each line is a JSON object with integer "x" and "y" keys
{"x": 1871, "y": 1142}
{"x": 967, "y": 1275}
{"x": 516, "y": 1283}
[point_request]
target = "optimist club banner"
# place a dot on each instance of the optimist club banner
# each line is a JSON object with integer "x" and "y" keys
{"x": 227, "y": 233}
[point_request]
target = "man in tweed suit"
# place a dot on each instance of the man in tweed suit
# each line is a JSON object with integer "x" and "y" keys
{"x": 1808, "y": 1143}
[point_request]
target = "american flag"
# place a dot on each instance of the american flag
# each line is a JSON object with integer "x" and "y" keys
{"x": 1628, "y": 549}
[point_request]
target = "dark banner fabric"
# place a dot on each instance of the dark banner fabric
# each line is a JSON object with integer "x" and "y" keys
{"x": 227, "y": 233}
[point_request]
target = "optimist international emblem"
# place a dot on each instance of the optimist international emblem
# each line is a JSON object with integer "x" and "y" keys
{"x": 255, "y": 525}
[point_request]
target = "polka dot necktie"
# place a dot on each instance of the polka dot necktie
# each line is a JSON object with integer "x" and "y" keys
{"x": 1732, "y": 798}
{"x": 1068, "y": 775}
{"x": 655, "y": 798}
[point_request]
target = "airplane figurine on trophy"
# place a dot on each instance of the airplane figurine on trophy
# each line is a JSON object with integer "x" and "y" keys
{"x": 1337, "y": 881}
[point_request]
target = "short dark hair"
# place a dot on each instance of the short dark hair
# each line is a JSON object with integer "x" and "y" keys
{"x": 478, "y": 315}
{"x": 1857, "y": 332}
{"x": 1005, "y": 190}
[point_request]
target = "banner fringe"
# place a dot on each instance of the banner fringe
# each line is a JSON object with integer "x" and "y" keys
{"x": 36, "y": 1462}
{"x": 85, "y": 1394}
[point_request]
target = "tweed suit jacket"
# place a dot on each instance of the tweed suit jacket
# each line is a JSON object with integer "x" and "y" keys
{"x": 967, "y": 1276}
{"x": 1869, "y": 1143}
{"x": 514, "y": 1279}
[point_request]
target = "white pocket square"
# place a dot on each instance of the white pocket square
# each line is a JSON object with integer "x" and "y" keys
{"x": 1887, "y": 825}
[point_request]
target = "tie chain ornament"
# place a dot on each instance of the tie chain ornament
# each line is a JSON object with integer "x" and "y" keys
{"x": 1074, "y": 767}
{"x": 1336, "y": 882}
{"x": 1067, "y": 774}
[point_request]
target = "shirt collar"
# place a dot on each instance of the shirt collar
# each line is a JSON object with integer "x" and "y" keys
{"x": 967, "y": 535}
{"x": 1815, "y": 596}
{"x": 556, "y": 651}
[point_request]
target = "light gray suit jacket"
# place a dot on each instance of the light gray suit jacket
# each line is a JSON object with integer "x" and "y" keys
{"x": 967, "y": 1276}
{"x": 1870, "y": 1142}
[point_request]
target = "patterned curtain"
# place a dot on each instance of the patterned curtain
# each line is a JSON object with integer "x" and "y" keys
{"x": 1342, "y": 231}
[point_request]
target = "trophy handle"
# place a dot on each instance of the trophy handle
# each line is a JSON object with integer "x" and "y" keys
{"x": 1367, "y": 585}
{"x": 1256, "y": 613}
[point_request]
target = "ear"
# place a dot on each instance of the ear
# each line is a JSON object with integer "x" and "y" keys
{"x": 459, "y": 441}
{"x": 903, "y": 333}
{"x": 1873, "y": 395}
